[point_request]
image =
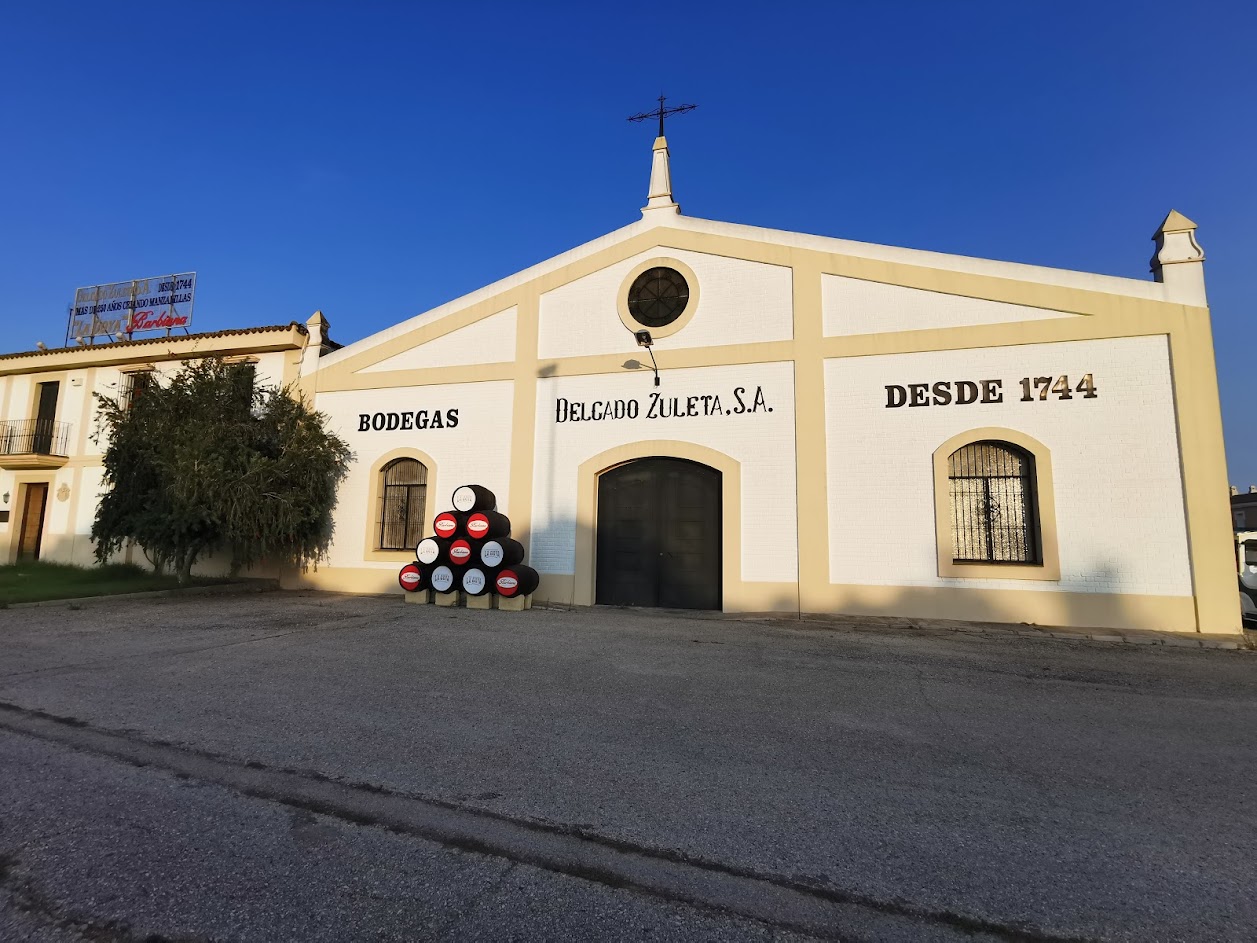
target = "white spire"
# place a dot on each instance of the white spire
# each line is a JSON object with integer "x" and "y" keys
{"x": 659, "y": 200}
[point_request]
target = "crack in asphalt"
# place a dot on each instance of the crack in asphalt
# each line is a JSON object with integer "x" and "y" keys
{"x": 792, "y": 903}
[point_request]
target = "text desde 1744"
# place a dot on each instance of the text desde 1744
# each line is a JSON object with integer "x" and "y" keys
{"x": 965, "y": 392}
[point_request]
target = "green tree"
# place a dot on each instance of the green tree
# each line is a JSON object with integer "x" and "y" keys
{"x": 209, "y": 461}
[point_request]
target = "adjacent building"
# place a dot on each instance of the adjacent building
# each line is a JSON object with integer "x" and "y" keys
{"x": 50, "y": 454}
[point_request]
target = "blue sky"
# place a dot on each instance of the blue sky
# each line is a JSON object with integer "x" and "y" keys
{"x": 375, "y": 159}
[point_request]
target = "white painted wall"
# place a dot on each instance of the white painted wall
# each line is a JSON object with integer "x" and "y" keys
{"x": 856, "y": 306}
{"x": 1119, "y": 497}
{"x": 740, "y": 302}
{"x": 489, "y": 340}
{"x": 477, "y": 451}
{"x": 763, "y": 442}
{"x": 20, "y": 405}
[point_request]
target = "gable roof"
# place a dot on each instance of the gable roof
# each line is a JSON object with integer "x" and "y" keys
{"x": 1017, "y": 271}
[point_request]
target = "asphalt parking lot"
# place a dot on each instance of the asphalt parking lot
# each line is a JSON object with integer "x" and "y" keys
{"x": 321, "y": 767}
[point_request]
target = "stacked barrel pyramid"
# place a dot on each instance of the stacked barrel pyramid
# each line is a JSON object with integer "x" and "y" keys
{"x": 470, "y": 552}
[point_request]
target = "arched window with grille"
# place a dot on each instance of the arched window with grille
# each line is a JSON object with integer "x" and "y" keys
{"x": 994, "y": 504}
{"x": 403, "y": 495}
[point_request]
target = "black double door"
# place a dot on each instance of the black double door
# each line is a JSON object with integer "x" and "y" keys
{"x": 659, "y": 535}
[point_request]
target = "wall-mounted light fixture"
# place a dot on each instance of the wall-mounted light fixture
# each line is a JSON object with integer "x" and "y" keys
{"x": 644, "y": 339}
{"x": 5, "y": 499}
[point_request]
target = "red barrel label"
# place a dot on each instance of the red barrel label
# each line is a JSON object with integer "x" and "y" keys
{"x": 428, "y": 550}
{"x": 491, "y": 553}
{"x": 410, "y": 577}
{"x": 477, "y": 525}
{"x": 460, "y": 551}
{"x": 442, "y": 579}
{"x": 507, "y": 583}
{"x": 446, "y": 524}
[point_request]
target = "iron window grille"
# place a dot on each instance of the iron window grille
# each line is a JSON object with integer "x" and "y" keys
{"x": 994, "y": 506}
{"x": 135, "y": 385}
{"x": 404, "y": 492}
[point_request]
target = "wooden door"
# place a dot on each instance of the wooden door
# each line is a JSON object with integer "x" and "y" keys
{"x": 31, "y": 535}
{"x": 659, "y": 535}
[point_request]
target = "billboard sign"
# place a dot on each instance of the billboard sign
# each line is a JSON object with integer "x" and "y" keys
{"x": 162, "y": 303}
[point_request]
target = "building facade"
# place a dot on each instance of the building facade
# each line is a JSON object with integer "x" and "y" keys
{"x": 836, "y": 427}
{"x": 50, "y": 453}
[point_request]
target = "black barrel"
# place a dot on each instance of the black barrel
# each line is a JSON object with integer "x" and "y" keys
{"x": 463, "y": 552}
{"x": 516, "y": 581}
{"x": 477, "y": 581}
{"x": 499, "y": 553}
{"x": 471, "y": 498}
{"x": 433, "y": 550}
{"x": 413, "y": 577}
{"x": 446, "y": 579}
{"x": 484, "y": 525}
{"x": 449, "y": 524}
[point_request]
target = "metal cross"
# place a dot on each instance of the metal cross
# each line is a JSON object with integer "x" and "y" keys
{"x": 662, "y": 112}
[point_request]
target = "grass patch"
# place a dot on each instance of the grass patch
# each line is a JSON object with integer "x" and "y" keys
{"x": 37, "y": 581}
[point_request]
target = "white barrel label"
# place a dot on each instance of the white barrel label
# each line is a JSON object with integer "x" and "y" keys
{"x": 428, "y": 550}
{"x": 442, "y": 579}
{"x": 491, "y": 554}
{"x": 464, "y": 499}
{"x": 460, "y": 551}
{"x": 474, "y": 581}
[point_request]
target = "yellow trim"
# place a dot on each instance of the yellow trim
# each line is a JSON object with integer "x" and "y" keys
{"x": 175, "y": 348}
{"x": 24, "y": 462}
{"x": 72, "y": 522}
{"x": 1084, "y": 610}
{"x": 20, "y": 483}
{"x": 1045, "y": 501}
{"x": 1014, "y": 334}
{"x": 687, "y": 313}
{"x": 87, "y": 417}
{"x": 346, "y": 371}
{"x": 1133, "y": 313}
{"x": 1081, "y": 610}
{"x": 359, "y": 580}
{"x": 371, "y": 551}
{"x": 1202, "y": 457}
{"x": 292, "y": 361}
{"x": 60, "y": 377}
{"x": 811, "y": 437}
{"x": 524, "y": 418}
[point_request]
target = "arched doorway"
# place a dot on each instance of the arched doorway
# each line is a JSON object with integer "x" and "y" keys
{"x": 658, "y": 535}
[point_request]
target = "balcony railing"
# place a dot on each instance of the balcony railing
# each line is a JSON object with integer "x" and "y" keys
{"x": 34, "y": 437}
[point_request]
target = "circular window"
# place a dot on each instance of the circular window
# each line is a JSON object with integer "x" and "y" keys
{"x": 658, "y": 296}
